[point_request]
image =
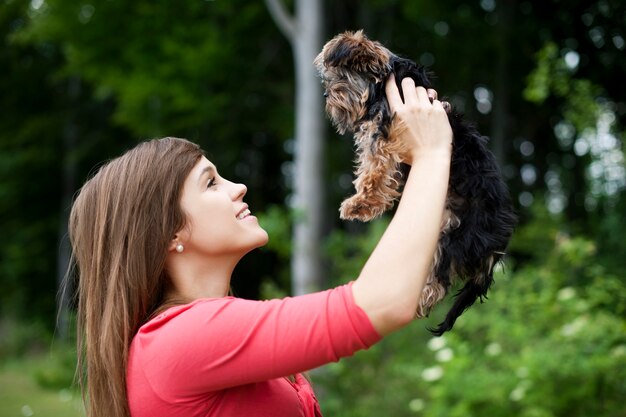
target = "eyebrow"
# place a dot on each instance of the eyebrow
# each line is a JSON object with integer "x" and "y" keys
{"x": 208, "y": 169}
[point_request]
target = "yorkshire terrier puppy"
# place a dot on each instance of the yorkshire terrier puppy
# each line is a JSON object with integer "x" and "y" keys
{"x": 479, "y": 217}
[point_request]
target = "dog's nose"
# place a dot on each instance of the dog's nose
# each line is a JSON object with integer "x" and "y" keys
{"x": 325, "y": 94}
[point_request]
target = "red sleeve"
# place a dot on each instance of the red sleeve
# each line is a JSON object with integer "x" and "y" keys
{"x": 214, "y": 344}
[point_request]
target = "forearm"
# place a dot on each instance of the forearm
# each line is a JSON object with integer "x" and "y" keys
{"x": 392, "y": 279}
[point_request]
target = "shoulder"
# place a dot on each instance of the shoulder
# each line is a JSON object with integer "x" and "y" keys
{"x": 181, "y": 314}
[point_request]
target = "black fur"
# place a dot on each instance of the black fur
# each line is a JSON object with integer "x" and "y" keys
{"x": 480, "y": 198}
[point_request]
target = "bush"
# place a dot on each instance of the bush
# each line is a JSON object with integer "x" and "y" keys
{"x": 57, "y": 370}
{"x": 18, "y": 338}
{"x": 550, "y": 341}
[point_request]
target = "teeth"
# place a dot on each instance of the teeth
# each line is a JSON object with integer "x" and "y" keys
{"x": 243, "y": 214}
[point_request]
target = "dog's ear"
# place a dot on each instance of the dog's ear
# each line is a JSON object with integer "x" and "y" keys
{"x": 403, "y": 67}
{"x": 355, "y": 52}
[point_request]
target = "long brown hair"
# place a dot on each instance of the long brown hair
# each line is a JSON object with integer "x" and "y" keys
{"x": 121, "y": 224}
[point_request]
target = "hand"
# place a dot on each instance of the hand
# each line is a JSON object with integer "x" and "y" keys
{"x": 427, "y": 130}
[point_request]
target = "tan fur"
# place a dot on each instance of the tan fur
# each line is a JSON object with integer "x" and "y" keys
{"x": 433, "y": 291}
{"x": 377, "y": 174}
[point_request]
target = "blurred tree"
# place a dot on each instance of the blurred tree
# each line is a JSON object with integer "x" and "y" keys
{"x": 211, "y": 72}
{"x": 40, "y": 114}
{"x": 304, "y": 31}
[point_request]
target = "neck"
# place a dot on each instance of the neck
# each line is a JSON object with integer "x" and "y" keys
{"x": 197, "y": 276}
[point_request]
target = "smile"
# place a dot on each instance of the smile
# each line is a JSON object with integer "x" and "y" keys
{"x": 243, "y": 214}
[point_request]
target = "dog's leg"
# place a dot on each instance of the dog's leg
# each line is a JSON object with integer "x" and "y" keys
{"x": 438, "y": 281}
{"x": 432, "y": 293}
{"x": 377, "y": 176}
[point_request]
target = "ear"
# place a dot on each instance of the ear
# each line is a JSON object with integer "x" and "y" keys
{"x": 182, "y": 236}
{"x": 171, "y": 247}
{"x": 403, "y": 67}
{"x": 355, "y": 52}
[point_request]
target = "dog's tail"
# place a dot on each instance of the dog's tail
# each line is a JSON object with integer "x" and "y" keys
{"x": 474, "y": 289}
{"x": 464, "y": 299}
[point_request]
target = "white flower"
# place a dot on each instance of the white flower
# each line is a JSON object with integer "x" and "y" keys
{"x": 493, "y": 349}
{"x": 416, "y": 405}
{"x": 522, "y": 372}
{"x": 582, "y": 306}
{"x": 436, "y": 343}
{"x": 65, "y": 395}
{"x": 432, "y": 374}
{"x": 573, "y": 327}
{"x": 618, "y": 351}
{"x": 566, "y": 293}
{"x": 444, "y": 355}
{"x": 27, "y": 411}
{"x": 517, "y": 394}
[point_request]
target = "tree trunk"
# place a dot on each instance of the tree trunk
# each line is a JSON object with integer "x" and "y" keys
{"x": 304, "y": 33}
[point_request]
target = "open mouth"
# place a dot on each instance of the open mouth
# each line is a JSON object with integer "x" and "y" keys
{"x": 244, "y": 213}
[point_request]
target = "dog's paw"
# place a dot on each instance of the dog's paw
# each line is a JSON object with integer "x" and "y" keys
{"x": 432, "y": 294}
{"x": 357, "y": 209}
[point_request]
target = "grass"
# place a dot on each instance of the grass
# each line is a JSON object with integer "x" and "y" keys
{"x": 21, "y": 396}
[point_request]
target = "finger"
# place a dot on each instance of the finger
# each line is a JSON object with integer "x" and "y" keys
{"x": 432, "y": 94}
{"x": 422, "y": 95}
{"x": 393, "y": 95}
{"x": 408, "y": 91}
{"x": 437, "y": 104}
{"x": 442, "y": 106}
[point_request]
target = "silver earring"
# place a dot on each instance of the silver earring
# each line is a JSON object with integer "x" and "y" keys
{"x": 180, "y": 248}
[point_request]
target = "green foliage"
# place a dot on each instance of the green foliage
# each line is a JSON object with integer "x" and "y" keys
{"x": 550, "y": 341}
{"x": 19, "y": 338}
{"x": 591, "y": 138}
{"x": 277, "y": 222}
{"x": 346, "y": 250}
{"x": 201, "y": 70}
{"x": 85, "y": 81}
{"x": 21, "y": 395}
{"x": 28, "y": 174}
{"x": 540, "y": 349}
{"x": 57, "y": 370}
{"x": 536, "y": 239}
{"x": 553, "y": 77}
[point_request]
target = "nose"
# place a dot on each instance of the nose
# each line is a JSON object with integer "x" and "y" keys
{"x": 238, "y": 191}
{"x": 325, "y": 94}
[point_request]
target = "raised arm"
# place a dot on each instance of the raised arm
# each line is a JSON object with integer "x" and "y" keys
{"x": 392, "y": 279}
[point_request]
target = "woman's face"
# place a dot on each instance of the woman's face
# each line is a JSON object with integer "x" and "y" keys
{"x": 218, "y": 221}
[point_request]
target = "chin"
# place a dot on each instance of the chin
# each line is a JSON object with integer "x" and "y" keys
{"x": 262, "y": 239}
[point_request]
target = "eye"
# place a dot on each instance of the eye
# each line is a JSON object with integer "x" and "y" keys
{"x": 211, "y": 183}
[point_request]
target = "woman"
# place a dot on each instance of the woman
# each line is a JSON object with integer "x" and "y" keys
{"x": 156, "y": 234}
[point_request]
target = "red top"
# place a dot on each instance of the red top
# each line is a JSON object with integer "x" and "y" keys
{"x": 229, "y": 357}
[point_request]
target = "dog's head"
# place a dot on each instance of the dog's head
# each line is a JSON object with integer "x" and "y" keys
{"x": 351, "y": 67}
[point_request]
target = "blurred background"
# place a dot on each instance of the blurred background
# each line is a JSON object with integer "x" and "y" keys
{"x": 82, "y": 81}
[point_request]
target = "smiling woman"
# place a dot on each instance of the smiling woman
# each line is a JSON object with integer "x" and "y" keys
{"x": 219, "y": 231}
{"x": 156, "y": 235}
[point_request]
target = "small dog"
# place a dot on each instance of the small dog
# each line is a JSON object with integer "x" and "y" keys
{"x": 479, "y": 217}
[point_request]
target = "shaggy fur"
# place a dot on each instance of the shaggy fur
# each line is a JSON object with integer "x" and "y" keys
{"x": 479, "y": 218}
